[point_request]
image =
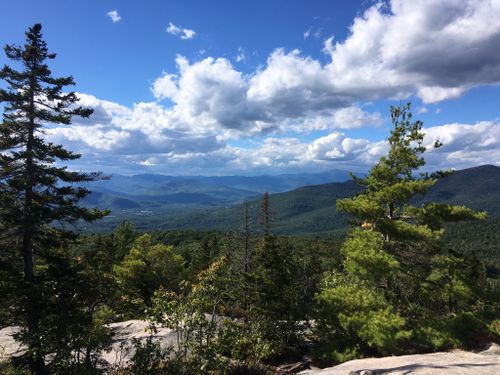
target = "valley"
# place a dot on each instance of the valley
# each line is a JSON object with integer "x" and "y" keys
{"x": 156, "y": 202}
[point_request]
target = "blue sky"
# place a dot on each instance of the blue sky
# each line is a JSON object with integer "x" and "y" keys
{"x": 233, "y": 87}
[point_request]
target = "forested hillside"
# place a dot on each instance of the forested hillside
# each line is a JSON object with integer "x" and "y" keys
{"x": 477, "y": 188}
{"x": 311, "y": 209}
{"x": 153, "y": 191}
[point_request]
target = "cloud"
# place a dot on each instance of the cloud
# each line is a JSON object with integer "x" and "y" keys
{"x": 210, "y": 95}
{"x": 437, "y": 50}
{"x": 465, "y": 145}
{"x": 115, "y": 17}
{"x": 288, "y": 95}
{"x": 328, "y": 47}
{"x": 145, "y": 128}
{"x": 375, "y": 61}
{"x": 307, "y": 33}
{"x": 314, "y": 32}
{"x": 291, "y": 85}
{"x": 149, "y": 137}
{"x": 177, "y": 30}
{"x": 317, "y": 34}
{"x": 351, "y": 117}
{"x": 165, "y": 87}
{"x": 104, "y": 111}
{"x": 188, "y": 34}
{"x": 434, "y": 50}
{"x": 355, "y": 117}
{"x": 241, "y": 55}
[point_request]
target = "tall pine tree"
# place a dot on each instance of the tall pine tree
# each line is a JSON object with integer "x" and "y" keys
{"x": 410, "y": 233}
{"x": 36, "y": 192}
{"x": 394, "y": 260}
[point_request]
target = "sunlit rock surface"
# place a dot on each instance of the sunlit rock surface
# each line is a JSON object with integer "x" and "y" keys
{"x": 456, "y": 362}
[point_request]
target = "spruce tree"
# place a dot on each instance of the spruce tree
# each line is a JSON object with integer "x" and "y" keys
{"x": 38, "y": 195}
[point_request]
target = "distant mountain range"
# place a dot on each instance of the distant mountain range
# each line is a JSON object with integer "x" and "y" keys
{"x": 152, "y": 191}
{"x": 176, "y": 203}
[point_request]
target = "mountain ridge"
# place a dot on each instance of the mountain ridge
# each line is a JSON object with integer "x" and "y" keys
{"x": 147, "y": 189}
{"x": 311, "y": 209}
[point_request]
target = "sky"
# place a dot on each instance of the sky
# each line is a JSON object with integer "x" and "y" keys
{"x": 223, "y": 87}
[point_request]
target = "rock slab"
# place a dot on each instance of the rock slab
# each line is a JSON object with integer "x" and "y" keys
{"x": 456, "y": 362}
{"x": 121, "y": 349}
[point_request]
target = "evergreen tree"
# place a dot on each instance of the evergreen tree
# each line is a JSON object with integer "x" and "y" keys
{"x": 35, "y": 190}
{"x": 276, "y": 289}
{"x": 123, "y": 239}
{"x": 265, "y": 215}
{"x": 410, "y": 233}
{"x": 394, "y": 260}
{"x": 247, "y": 255}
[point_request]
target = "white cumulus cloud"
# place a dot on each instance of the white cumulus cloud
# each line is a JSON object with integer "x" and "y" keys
{"x": 436, "y": 50}
{"x": 150, "y": 137}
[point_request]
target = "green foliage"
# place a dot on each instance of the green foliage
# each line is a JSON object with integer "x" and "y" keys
{"x": 365, "y": 257}
{"x": 470, "y": 330}
{"x": 7, "y": 368}
{"x": 148, "y": 357}
{"x": 146, "y": 268}
{"x": 480, "y": 237}
{"x": 235, "y": 314}
{"x": 123, "y": 239}
{"x": 38, "y": 196}
{"x": 274, "y": 273}
{"x": 35, "y": 192}
{"x": 244, "y": 342}
{"x": 357, "y": 316}
{"x": 196, "y": 331}
{"x": 449, "y": 283}
{"x": 466, "y": 329}
{"x": 391, "y": 184}
{"x": 397, "y": 276}
{"x": 71, "y": 335}
{"x": 432, "y": 334}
